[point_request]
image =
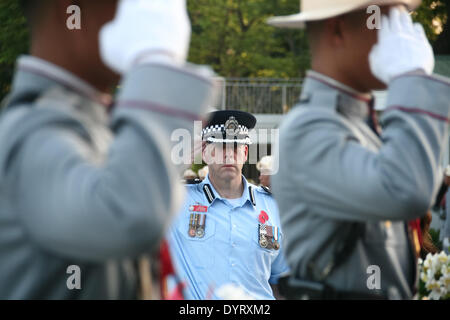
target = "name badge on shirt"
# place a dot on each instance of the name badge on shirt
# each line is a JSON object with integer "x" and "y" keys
{"x": 197, "y": 221}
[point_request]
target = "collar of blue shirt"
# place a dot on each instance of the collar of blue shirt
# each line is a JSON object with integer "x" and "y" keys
{"x": 243, "y": 199}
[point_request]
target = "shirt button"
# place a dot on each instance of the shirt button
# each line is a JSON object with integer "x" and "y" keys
{"x": 233, "y": 244}
{"x": 233, "y": 264}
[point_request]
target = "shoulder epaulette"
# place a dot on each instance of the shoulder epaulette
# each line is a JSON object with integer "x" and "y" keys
{"x": 193, "y": 181}
{"x": 252, "y": 195}
{"x": 209, "y": 193}
{"x": 266, "y": 189}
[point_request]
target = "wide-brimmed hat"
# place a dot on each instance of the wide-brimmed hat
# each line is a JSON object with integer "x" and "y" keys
{"x": 313, "y": 10}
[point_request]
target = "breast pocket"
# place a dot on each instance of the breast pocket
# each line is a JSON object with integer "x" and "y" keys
{"x": 262, "y": 257}
{"x": 198, "y": 246}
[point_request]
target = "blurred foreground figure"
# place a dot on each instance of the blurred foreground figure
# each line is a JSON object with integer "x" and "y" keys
{"x": 86, "y": 189}
{"x": 346, "y": 191}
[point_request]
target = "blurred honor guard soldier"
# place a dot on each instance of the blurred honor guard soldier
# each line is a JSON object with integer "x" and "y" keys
{"x": 228, "y": 231}
{"x": 344, "y": 191}
{"x": 81, "y": 186}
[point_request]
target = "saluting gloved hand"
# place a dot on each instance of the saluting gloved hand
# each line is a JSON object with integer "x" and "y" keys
{"x": 146, "y": 31}
{"x": 402, "y": 47}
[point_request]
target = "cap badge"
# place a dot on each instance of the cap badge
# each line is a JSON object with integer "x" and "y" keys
{"x": 232, "y": 126}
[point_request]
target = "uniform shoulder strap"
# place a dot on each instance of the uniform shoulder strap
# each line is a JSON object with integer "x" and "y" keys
{"x": 266, "y": 189}
{"x": 22, "y": 116}
{"x": 193, "y": 181}
{"x": 209, "y": 193}
{"x": 23, "y": 99}
{"x": 252, "y": 195}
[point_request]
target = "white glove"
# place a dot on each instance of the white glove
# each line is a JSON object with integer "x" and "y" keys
{"x": 144, "y": 31}
{"x": 402, "y": 47}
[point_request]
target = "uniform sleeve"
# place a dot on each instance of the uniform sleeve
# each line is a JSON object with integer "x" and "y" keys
{"x": 279, "y": 268}
{"x": 74, "y": 206}
{"x": 336, "y": 176}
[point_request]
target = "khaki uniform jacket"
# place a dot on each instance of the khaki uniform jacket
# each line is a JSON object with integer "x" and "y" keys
{"x": 79, "y": 186}
{"x": 335, "y": 172}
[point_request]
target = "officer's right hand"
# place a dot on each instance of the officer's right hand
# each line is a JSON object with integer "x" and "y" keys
{"x": 402, "y": 47}
{"x": 146, "y": 31}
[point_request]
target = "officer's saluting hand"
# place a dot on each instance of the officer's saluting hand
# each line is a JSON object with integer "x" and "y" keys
{"x": 81, "y": 183}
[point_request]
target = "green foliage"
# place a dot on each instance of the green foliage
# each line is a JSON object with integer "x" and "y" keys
{"x": 435, "y": 239}
{"x": 13, "y": 41}
{"x": 431, "y": 10}
{"x": 232, "y": 36}
{"x": 196, "y": 167}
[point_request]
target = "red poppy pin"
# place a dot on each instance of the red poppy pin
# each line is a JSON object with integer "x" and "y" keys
{"x": 263, "y": 217}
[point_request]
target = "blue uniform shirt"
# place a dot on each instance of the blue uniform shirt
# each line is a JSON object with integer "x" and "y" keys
{"x": 229, "y": 251}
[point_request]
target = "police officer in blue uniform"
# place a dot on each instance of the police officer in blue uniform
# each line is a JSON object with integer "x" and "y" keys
{"x": 228, "y": 231}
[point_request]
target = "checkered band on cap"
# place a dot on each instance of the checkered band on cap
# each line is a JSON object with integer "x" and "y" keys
{"x": 218, "y": 134}
{"x": 221, "y": 129}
